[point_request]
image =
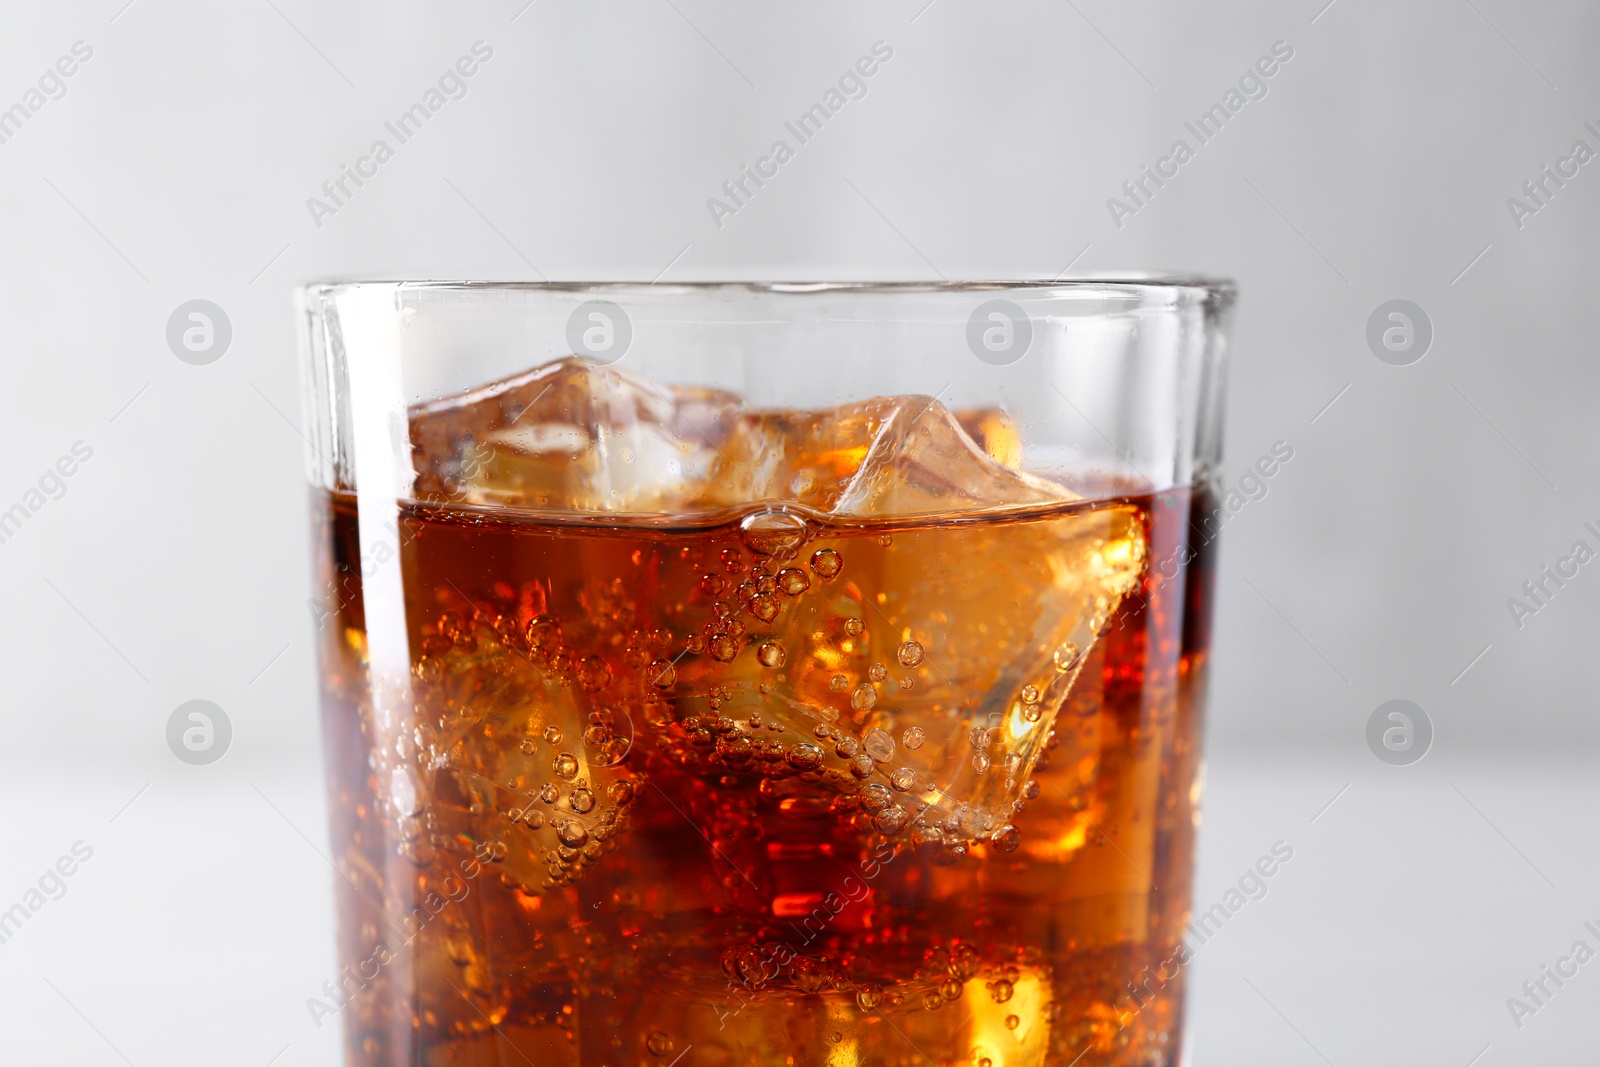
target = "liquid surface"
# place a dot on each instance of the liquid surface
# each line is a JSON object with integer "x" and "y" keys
{"x": 788, "y": 786}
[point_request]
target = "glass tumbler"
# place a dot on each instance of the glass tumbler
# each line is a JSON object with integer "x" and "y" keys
{"x": 774, "y": 674}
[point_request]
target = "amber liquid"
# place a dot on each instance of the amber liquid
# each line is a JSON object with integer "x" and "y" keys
{"x": 611, "y": 795}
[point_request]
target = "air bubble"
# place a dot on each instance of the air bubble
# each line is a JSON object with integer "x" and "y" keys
{"x": 533, "y": 819}
{"x": 792, "y": 581}
{"x": 1001, "y": 990}
{"x": 913, "y": 738}
{"x": 878, "y": 743}
{"x": 712, "y": 584}
{"x": 695, "y": 643}
{"x": 572, "y": 834}
{"x": 566, "y": 765}
{"x": 980, "y": 762}
{"x": 549, "y": 794}
{"x": 951, "y": 989}
{"x": 838, "y": 683}
{"x": 875, "y": 798}
{"x": 862, "y": 766}
{"x": 1012, "y": 1022}
{"x": 905, "y": 683}
{"x": 868, "y": 996}
{"x": 1030, "y": 694}
{"x": 662, "y": 674}
{"x": 544, "y": 634}
{"x": 927, "y": 840}
{"x": 847, "y": 748}
{"x": 903, "y": 779}
{"x": 769, "y": 533}
{"x": 724, "y": 648}
{"x": 1032, "y": 712}
{"x": 552, "y": 734}
{"x": 878, "y": 672}
{"x": 771, "y": 654}
{"x": 826, "y": 563}
{"x": 805, "y": 756}
{"x": 909, "y": 654}
{"x": 659, "y": 1044}
{"x": 1006, "y": 839}
{"x": 582, "y": 801}
{"x": 854, "y": 627}
{"x": 1067, "y": 656}
{"x": 863, "y": 697}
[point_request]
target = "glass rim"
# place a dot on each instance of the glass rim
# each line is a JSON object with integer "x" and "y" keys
{"x": 1217, "y": 290}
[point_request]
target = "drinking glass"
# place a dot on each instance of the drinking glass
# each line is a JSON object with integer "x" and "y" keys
{"x": 763, "y": 674}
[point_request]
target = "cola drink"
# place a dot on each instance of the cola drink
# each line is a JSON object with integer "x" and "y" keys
{"x": 713, "y": 734}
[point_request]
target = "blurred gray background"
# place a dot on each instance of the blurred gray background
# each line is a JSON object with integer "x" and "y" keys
{"x": 175, "y": 164}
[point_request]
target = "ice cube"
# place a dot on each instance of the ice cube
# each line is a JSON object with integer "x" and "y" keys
{"x": 911, "y": 676}
{"x": 515, "y": 749}
{"x": 900, "y": 456}
{"x": 571, "y": 436}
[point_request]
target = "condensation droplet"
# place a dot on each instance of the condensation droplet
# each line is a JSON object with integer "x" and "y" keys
{"x": 1067, "y": 656}
{"x": 909, "y": 654}
{"x": 770, "y": 533}
{"x": 913, "y": 738}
